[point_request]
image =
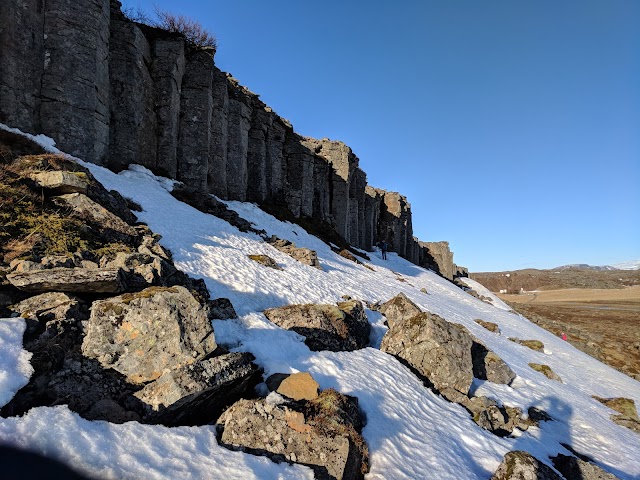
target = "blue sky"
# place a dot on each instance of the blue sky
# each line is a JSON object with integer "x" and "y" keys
{"x": 513, "y": 127}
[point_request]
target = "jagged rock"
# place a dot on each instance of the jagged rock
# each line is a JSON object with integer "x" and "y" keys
{"x": 519, "y": 465}
{"x": 318, "y": 436}
{"x": 221, "y": 309}
{"x": 150, "y": 246}
{"x": 546, "y": 371}
{"x": 111, "y": 411}
{"x": 344, "y": 253}
{"x": 536, "y": 345}
{"x": 74, "y": 280}
{"x": 49, "y": 306}
{"x": 21, "y": 266}
{"x": 438, "y": 257}
{"x": 487, "y": 365}
{"x": 492, "y": 327}
{"x": 296, "y": 386}
{"x": 86, "y": 208}
{"x": 325, "y": 327}
{"x": 302, "y": 255}
{"x": 399, "y": 309}
{"x": 58, "y": 261}
{"x": 627, "y": 408}
{"x": 141, "y": 335}
{"x": 196, "y": 393}
{"x": 265, "y": 260}
{"x": 498, "y": 420}
{"x": 573, "y": 468}
{"x": 62, "y": 182}
{"x": 140, "y": 269}
{"x": 438, "y": 350}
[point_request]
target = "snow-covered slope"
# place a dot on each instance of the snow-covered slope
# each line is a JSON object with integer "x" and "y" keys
{"x": 411, "y": 432}
{"x": 634, "y": 265}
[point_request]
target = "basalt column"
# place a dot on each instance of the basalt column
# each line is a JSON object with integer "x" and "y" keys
{"x": 167, "y": 71}
{"x": 239, "y": 123}
{"x": 195, "y": 120}
{"x": 299, "y": 190}
{"x": 75, "y": 83}
{"x": 133, "y": 119}
{"x": 219, "y": 135}
{"x": 21, "y": 63}
{"x": 373, "y": 199}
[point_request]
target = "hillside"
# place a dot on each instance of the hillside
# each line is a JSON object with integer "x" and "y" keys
{"x": 412, "y": 429}
{"x": 532, "y": 279}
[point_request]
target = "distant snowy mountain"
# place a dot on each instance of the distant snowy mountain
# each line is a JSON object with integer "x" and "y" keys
{"x": 584, "y": 266}
{"x": 633, "y": 265}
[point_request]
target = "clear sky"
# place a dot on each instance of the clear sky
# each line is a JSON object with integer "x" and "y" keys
{"x": 513, "y": 127}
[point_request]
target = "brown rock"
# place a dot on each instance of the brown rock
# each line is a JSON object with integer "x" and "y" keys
{"x": 299, "y": 386}
{"x": 62, "y": 182}
{"x": 398, "y": 309}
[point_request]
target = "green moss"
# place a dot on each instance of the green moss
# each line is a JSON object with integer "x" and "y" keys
{"x": 149, "y": 292}
{"x": 536, "y": 345}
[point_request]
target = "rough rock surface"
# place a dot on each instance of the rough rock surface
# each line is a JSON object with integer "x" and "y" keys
{"x": 265, "y": 260}
{"x": 627, "y": 408}
{"x": 196, "y": 393}
{"x": 438, "y": 257}
{"x": 573, "y": 468}
{"x": 48, "y": 306}
{"x": 492, "y": 327}
{"x": 487, "y": 365}
{"x": 500, "y": 420}
{"x": 326, "y": 327}
{"x": 546, "y": 371}
{"x": 303, "y": 255}
{"x": 62, "y": 182}
{"x": 75, "y": 280}
{"x": 297, "y": 386}
{"x": 399, "y": 309}
{"x": 221, "y": 309}
{"x": 439, "y": 351}
{"x": 143, "y": 334}
{"x": 324, "y": 441}
{"x": 536, "y": 345}
{"x": 519, "y": 465}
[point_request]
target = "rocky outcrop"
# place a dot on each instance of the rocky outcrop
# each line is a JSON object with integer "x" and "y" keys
{"x": 74, "y": 280}
{"x": 573, "y": 468}
{"x": 626, "y": 407}
{"x": 191, "y": 393}
{"x": 302, "y": 255}
{"x": 492, "y": 327}
{"x": 326, "y": 327}
{"x": 536, "y": 345}
{"x": 322, "y": 433}
{"x": 546, "y": 371}
{"x": 399, "y": 309}
{"x": 143, "y": 334}
{"x": 519, "y": 465}
{"x": 438, "y": 257}
{"x": 439, "y": 351}
{"x": 489, "y": 366}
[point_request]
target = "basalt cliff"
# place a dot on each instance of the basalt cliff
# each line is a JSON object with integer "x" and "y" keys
{"x": 115, "y": 92}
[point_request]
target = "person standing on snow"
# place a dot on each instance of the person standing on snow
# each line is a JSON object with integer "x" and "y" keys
{"x": 383, "y": 248}
{"x": 564, "y": 336}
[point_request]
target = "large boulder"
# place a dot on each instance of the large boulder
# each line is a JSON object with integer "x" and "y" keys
{"x": 437, "y": 350}
{"x": 49, "y": 306}
{"x": 302, "y": 255}
{"x": 326, "y": 327}
{"x": 74, "y": 280}
{"x": 398, "y": 309}
{"x": 296, "y": 386}
{"x": 322, "y": 433}
{"x": 62, "y": 182}
{"x": 500, "y": 420}
{"x": 140, "y": 269}
{"x": 144, "y": 334}
{"x": 196, "y": 393}
{"x": 519, "y": 465}
{"x": 572, "y": 468}
{"x": 487, "y": 365}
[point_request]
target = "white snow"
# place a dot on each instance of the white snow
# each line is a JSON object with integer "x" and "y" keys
{"x": 411, "y": 432}
{"x": 15, "y": 369}
{"x": 633, "y": 265}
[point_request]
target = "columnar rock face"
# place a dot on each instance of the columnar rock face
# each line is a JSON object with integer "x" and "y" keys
{"x": 438, "y": 257}
{"x": 116, "y": 92}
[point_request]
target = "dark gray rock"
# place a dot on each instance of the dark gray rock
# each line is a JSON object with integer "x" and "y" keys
{"x": 519, "y": 465}
{"x": 487, "y": 365}
{"x": 188, "y": 394}
{"x": 140, "y": 270}
{"x": 221, "y": 309}
{"x": 399, "y": 309}
{"x": 573, "y": 468}
{"x": 74, "y": 280}
{"x": 238, "y": 124}
{"x": 438, "y": 257}
{"x": 437, "y": 350}
{"x": 325, "y": 327}
{"x": 49, "y": 306}
{"x": 142, "y": 335}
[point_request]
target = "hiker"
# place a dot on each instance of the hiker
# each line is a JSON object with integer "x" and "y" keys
{"x": 564, "y": 336}
{"x": 383, "y": 248}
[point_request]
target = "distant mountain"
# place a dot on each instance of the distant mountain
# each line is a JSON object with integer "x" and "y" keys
{"x": 633, "y": 265}
{"x": 584, "y": 266}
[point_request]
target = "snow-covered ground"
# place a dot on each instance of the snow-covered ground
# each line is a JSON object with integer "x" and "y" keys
{"x": 411, "y": 432}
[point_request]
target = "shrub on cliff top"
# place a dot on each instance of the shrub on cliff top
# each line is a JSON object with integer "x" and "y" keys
{"x": 194, "y": 33}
